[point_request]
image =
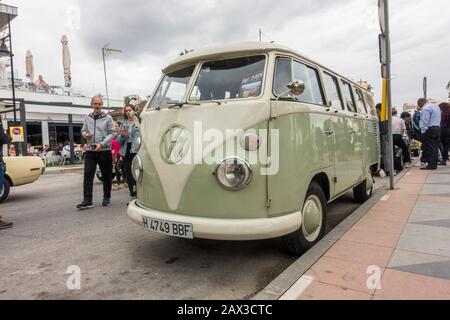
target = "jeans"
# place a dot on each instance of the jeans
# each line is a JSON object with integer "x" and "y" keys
{"x": 104, "y": 160}
{"x": 127, "y": 161}
{"x": 431, "y": 141}
{"x": 445, "y": 140}
{"x": 399, "y": 142}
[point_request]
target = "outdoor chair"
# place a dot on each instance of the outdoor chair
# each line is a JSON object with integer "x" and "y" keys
{"x": 49, "y": 158}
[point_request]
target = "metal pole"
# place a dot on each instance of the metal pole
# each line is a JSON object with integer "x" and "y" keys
{"x": 389, "y": 94}
{"x": 425, "y": 87}
{"x": 71, "y": 141}
{"x": 260, "y": 35}
{"x": 23, "y": 123}
{"x": 106, "y": 78}
{"x": 13, "y": 84}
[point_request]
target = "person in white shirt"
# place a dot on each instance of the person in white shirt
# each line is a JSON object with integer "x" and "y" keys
{"x": 398, "y": 131}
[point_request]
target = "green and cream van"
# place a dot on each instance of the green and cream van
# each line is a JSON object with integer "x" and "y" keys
{"x": 252, "y": 141}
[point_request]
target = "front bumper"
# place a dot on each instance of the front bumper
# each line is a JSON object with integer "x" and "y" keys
{"x": 224, "y": 229}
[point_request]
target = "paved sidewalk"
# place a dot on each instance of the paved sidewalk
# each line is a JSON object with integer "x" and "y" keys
{"x": 404, "y": 240}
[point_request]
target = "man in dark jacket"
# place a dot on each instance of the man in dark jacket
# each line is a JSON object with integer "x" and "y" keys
{"x": 4, "y": 140}
{"x": 98, "y": 129}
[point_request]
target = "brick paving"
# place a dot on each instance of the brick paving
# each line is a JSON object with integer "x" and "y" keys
{"x": 400, "y": 250}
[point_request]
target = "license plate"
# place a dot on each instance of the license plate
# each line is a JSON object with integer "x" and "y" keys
{"x": 174, "y": 229}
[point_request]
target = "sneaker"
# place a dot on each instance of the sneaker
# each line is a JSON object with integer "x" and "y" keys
{"x": 106, "y": 202}
{"x": 85, "y": 205}
{"x": 5, "y": 225}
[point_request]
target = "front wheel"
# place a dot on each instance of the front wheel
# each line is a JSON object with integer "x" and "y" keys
{"x": 4, "y": 192}
{"x": 314, "y": 222}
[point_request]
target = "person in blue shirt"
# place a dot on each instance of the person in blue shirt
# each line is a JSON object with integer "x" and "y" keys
{"x": 430, "y": 128}
{"x": 416, "y": 119}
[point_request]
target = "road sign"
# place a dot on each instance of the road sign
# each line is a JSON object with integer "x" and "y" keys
{"x": 382, "y": 47}
{"x": 17, "y": 134}
{"x": 382, "y": 16}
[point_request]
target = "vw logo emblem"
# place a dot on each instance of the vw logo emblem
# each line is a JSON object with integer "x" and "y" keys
{"x": 175, "y": 144}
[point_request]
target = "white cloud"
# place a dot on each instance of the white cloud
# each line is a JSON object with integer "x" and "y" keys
{"x": 340, "y": 34}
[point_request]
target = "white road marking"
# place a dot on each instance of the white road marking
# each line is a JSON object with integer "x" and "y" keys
{"x": 298, "y": 288}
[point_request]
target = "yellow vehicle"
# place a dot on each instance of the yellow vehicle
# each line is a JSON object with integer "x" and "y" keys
{"x": 20, "y": 171}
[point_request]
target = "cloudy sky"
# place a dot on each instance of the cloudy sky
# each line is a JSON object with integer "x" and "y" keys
{"x": 342, "y": 34}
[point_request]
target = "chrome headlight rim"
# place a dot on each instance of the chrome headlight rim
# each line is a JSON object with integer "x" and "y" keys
{"x": 139, "y": 142}
{"x": 137, "y": 165}
{"x": 248, "y": 178}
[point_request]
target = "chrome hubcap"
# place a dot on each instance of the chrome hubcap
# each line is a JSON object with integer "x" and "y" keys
{"x": 312, "y": 218}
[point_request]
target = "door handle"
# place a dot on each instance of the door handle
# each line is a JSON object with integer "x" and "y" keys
{"x": 329, "y": 132}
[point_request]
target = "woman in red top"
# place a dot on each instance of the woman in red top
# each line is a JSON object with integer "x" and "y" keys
{"x": 115, "y": 149}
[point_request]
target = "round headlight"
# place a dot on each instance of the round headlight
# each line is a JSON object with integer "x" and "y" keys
{"x": 234, "y": 174}
{"x": 136, "y": 169}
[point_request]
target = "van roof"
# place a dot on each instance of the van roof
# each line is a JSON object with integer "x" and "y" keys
{"x": 239, "y": 48}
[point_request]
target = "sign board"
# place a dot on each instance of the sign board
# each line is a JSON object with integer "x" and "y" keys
{"x": 382, "y": 47}
{"x": 16, "y": 134}
{"x": 382, "y": 15}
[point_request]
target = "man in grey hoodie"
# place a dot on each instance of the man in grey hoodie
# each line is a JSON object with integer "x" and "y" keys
{"x": 98, "y": 130}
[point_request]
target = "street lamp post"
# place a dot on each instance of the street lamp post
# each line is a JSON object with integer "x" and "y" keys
{"x": 106, "y": 51}
{"x": 385, "y": 49}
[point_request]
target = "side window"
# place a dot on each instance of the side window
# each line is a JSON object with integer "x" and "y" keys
{"x": 283, "y": 75}
{"x": 310, "y": 76}
{"x": 332, "y": 86}
{"x": 349, "y": 97}
{"x": 360, "y": 101}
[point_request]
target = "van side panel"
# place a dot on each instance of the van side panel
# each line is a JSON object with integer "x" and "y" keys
{"x": 304, "y": 151}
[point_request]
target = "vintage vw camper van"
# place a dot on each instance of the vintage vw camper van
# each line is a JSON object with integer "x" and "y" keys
{"x": 252, "y": 141}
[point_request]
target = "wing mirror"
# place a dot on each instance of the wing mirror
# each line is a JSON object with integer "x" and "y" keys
{"x": 296, "y": 88}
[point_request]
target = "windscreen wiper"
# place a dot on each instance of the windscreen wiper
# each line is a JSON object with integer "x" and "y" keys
{"x": 181, "y": 104}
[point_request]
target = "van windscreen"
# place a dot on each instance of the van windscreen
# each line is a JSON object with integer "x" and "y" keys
{"x": 229, "y": 79}
{"x": 172, "y": 89}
